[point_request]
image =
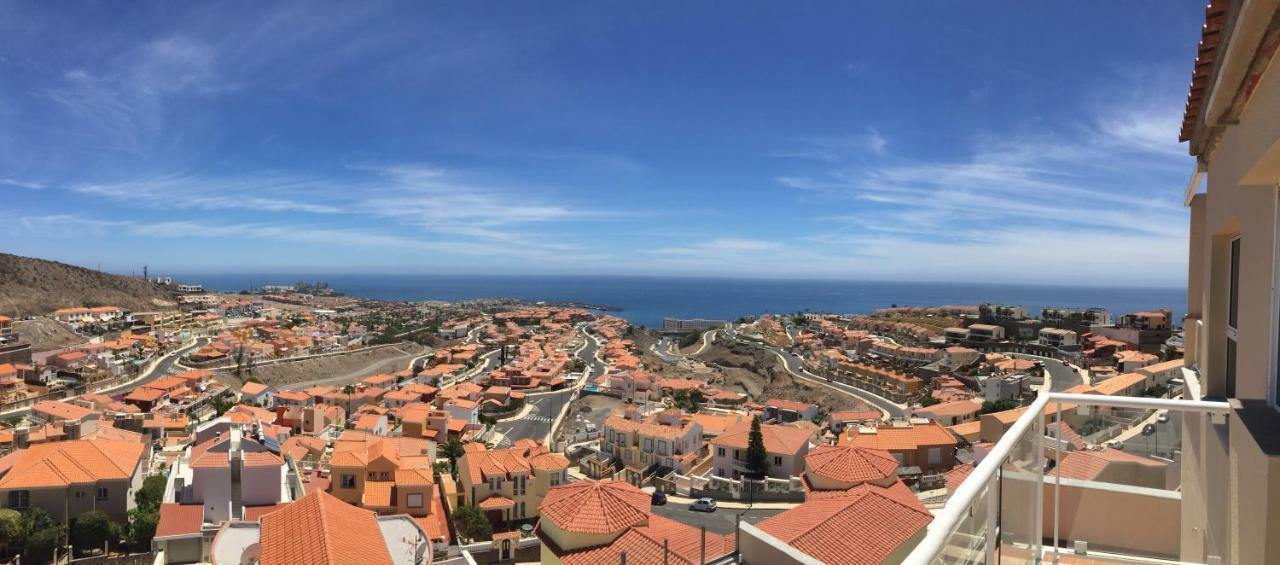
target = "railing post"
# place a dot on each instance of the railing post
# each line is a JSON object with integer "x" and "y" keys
{"x": 1037, "y": 498}
{"x": 993, "y": 521}
{"x": 1057, "y": 483}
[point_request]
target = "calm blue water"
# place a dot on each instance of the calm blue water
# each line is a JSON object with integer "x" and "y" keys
{"x": 646, "y": 300}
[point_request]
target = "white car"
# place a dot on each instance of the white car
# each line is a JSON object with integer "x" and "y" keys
{"x": 703, "y": 505}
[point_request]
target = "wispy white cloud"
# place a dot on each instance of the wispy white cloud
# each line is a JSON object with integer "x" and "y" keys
{"x": 837, "y": 148}
{"x": 719, "y": 246}
{"x": 29, "y": 185}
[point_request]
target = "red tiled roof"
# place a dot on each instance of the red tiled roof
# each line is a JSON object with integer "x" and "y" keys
{"x": 64, "y": 463}
{"x": 862, "y": 526}
{"x": 595, "y": 507}
{"x": 1215, "y": 17}
{"x": 851, "y": 463}
{"x": 644, "y": 544}
{"x": 320, "y": 528}
{"x": 777, "y": 439}
{"x": 179, "y": 520}
{"x": 1087, "y": 465}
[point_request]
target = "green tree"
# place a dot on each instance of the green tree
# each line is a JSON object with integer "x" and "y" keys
{"x": 12, "y": 534}
{"x": 152, "y": 492}
{"x": 997, "y": 406}
{"x": 91, "y": 531}
{"x": 42, "y": 544}
{"x": 757, "y": 456}
{"x": 929, "y": 401}
{"x": 453, "y": 450}
{"x": 349, "y": 390}
{"x": 142, "y": 527}
{"x": 472, "y": 523}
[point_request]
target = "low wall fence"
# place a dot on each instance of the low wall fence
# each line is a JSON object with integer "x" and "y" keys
{"x": 782, "y": 490}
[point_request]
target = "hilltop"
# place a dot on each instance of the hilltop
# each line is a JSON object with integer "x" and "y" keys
{"x": 31, "y": 287}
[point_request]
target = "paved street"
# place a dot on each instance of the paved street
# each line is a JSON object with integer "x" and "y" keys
{"x": 720, "y": 522}
{"x": 545, "y": 406}
{"x": 795, "y": 365}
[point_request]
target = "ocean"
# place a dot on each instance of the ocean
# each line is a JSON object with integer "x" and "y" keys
{"x": 647, "y": 300}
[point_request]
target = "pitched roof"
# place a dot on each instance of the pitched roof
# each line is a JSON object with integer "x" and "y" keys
{"x": 320, "y": 528}
{"x": 62, "y": 410}
{"x": 179, "y": 520}
{"x": 65, "y": 463}
{"x": 644, "y": 544}
{"x": 1087, "y": 465}
{"x": 861, "y": 526}
{"x": 891, "y": 438}
{"x": 595, "y": 507}
{"x": 777, "y": 439}
{"x": 851, "y": 463}
{"x": 253, "y": 388}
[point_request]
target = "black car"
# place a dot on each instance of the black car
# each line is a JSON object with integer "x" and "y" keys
{"x": 659, "y": 498}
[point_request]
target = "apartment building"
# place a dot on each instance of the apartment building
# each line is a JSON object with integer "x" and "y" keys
{"x": 1232, "y": 333}
{"x": 1079, "y": 320}
{"x": 510, "y": 484}
{"x": 785, "y": 445}
{"x": 985, "y": 332}
{"x": 682, "y": 325}
{"x": 637, "y": 443}
{"x": 1059, "y": 338}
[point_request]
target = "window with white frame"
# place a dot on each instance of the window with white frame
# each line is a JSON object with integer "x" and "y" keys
{"x": 414, "y": 500}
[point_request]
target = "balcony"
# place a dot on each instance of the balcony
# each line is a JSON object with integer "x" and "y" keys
{"x": 1152, "y": 500}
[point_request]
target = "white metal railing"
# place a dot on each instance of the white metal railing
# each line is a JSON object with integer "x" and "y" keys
{"x": 977, "y": 502}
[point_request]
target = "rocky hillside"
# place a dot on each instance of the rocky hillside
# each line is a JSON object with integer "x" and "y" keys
{"x": 35, "y": 286}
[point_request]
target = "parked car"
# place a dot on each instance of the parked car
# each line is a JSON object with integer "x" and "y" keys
{"x": 658, "y": 499}
{"x": 1163, "y": 418}
{"x": 703, "y": 505}
{"x": 1113, "y": 444}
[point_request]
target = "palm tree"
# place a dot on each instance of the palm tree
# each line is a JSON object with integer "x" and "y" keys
{"x": 349, "y": 390}
{"x": 453, "y": 450}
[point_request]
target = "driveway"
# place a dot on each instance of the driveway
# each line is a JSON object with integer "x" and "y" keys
{"x": 719, "y": 522}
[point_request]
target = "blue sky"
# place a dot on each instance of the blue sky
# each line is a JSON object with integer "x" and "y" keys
{"x": 1003, "y": 142}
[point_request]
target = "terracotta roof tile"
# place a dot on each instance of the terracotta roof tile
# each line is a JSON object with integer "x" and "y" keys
{"x": 851, "y": 464}
{"x": 862, "y": 526}
{"x": 320, "y": 528}
{"x": 595, "y": 507}
{"x": 70, "y": 462}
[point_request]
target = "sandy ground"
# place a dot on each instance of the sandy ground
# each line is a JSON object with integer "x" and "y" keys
{"x": 44, "y": 334}
{"x": 760, "y": 376}
{"x": 338, "y": 369}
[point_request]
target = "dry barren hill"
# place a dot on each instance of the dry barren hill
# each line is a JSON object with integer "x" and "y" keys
{"x": 34, "y": 286}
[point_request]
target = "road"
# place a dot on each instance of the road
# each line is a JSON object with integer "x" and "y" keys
{"x": 1062, "y": 376}
{"x": 161, "y": 369}
{"x": 795, "y": 366}
{"x": 544, "y": 407}
{"x": 719, "y": 522}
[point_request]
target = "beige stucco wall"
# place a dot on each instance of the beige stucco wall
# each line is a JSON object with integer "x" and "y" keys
{"x": 1232, "y": 499}
{"x": 1133, "y": 521}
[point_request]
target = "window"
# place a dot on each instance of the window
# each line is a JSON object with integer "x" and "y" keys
{"x": 382, "y": 476}
{"x": 1233, "y": 318}
{"x": 935, "y": 455}
{"x": 662, "y": 448}
{"x": 371, "y": 475}
{"x": 555, "y": 479}
{"x": 648, "y": 445}
{"x": 102, "y": 493}
{"x": 777, "y": 460}
{"x": 720, "y": 452}
{"x": 79, "y": 494}
{"x": 414, "y": 500}
{"x": 19, "y": 499}
{"x": 520, "y": 510}
{"x": 348, "y": 481}
{"x": 519, "y": 486}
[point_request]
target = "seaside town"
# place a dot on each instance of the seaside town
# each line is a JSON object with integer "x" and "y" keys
{"x": 937, "y": 411}
{"x": 227, "y": 428}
